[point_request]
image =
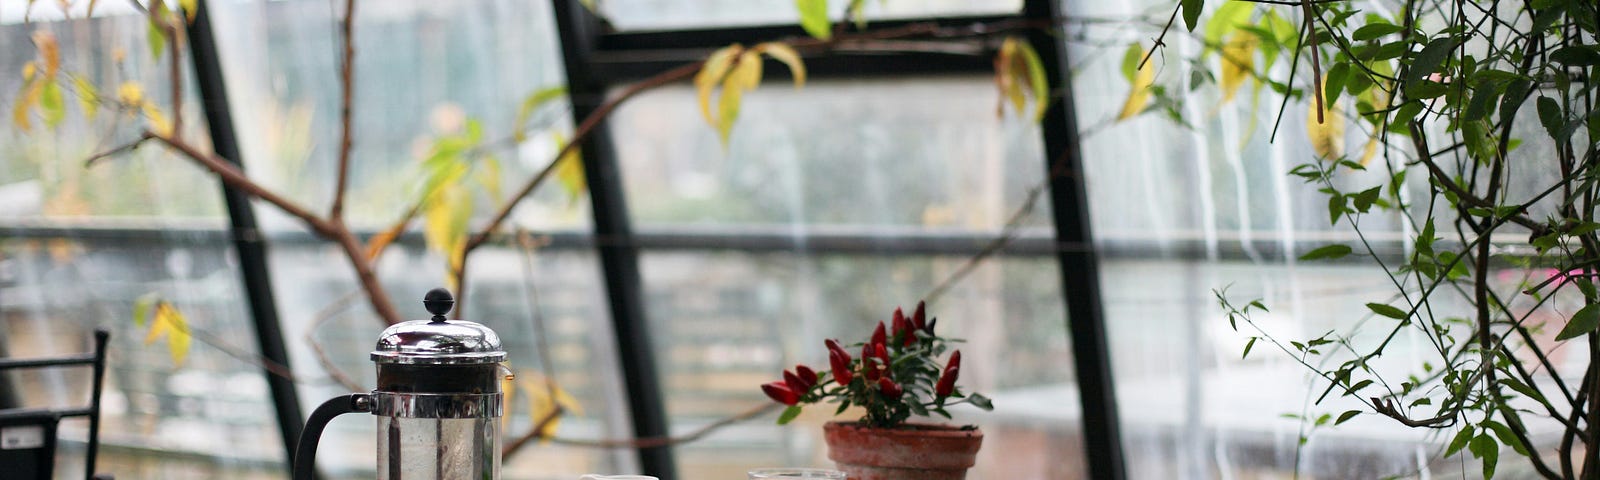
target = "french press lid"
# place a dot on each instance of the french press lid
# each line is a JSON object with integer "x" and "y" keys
{"x": 438, "y": 341}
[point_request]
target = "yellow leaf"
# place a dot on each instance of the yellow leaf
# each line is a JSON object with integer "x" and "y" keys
{"x": 88, "y": 96}
{"x": 1139, "y": 89}
{"x": 784, "y": 53}
{"x": 177, "y": 328}
{"x": 570, "y": 171}
{"x": 1370, "y": 150}
{"x": 29, "y": 70}
{"x": 445, "y": 223}
{"x": 158, "y": 120}
{"x": 1004, "y": 79}
{"x": 190, "y": 7}
{"x": 746, "y": 74}
{"x": 1327, "y": 138}
{"x": 49, "y": 51}
{"x": 28, "y": 96}
{"x": 711, "y": 75}
{"x": 1238, "y": 60}
{"x": 130, "y": 93}
{"x": 488, "y": 175}
{"x": 727, "y": 111}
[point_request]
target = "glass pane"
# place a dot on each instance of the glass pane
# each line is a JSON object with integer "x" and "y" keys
{"x": 878, "y": 155}
{"x": 727, "y": 322}
{"x": 671, "y": 14}
{"x": 83, "y": 243}
{"x": 429, "y": 78}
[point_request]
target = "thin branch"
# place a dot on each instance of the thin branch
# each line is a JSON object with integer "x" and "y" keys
{"x": 125, "y": 148}
{"x": 322, "y": 317}
{"x": 236, "y": 179}
{"x": 1160, "y": 38}
{"x": 346, "y": 85}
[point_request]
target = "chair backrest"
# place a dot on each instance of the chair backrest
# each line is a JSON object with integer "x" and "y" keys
{"x": 28, "y": 435}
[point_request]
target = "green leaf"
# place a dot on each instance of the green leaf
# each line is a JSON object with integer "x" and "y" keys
{"x": 1550, "y": 116}
{"x": 88, "y": 96}
{"x": 980, "y": 401}
{"x": 1363, "y": 201}
{"x": 1387, "y": 311}
{"x": 531, "y": 104}
{"x": 1484, "y": 447}
{"x": 1347, "y": 415}
{"x": 1372, "y": 31}
{"x": 1227, "y": 18}
{"x": 789, "y": 414}
{"x": 1333, "y": 81}
{"x": 1247, "y": 346}
{"x": 814, "y": 18}
{"x": 1577, "y": 56}
{"x": 1586, "y": 320}
{"x": 141, "y": 308}
{"x": 1506, "y": 436}
{"x": 51, "y": 105}
{"x": 1191, "y": 12}
{"x": 1460, "y": 440}
{"x": 1427, "y": 61}
{"x": 1328, "y": 252}
{"x": 155, "y": 35}
{"x": 1336, "y": 204}
{"x": 1130, "y": 61}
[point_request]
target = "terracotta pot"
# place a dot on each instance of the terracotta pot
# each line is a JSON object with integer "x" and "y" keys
{"x": 910, "y": 452}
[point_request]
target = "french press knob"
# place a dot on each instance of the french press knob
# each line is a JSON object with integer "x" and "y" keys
{"x": 438, "y": 400}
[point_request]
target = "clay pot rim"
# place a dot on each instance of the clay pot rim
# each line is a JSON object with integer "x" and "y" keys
{"x": 917, "y": 429}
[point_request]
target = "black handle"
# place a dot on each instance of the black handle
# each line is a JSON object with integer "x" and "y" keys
{"x": 305, "y": 453}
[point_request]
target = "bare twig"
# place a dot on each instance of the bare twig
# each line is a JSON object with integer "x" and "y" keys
{"x": 346, "y": 80}
{"x": 323, "y": 316}
{"x": 127, "y": 147}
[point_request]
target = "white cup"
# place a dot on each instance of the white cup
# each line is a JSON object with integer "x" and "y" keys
{"x": 796, "y": 473}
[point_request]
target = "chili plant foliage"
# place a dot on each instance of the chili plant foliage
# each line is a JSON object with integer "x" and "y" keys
{"x": 1479, "y": 122}
{"x": 897, "y": 375}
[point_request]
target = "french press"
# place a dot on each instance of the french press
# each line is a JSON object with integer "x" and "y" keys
{"x": 438, "y": 400}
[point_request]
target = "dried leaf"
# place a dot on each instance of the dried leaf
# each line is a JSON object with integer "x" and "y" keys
{"x": 711, "y": 75}
{"x": 1139, "y": 86}
{"x": 49, "y": 51}
{"x": 381, "y": 241}
{"x": 1006, "y": 77}
{"x": 1327, "y": 138}
{"x": 1238, "y": 60}
{"x": 488, "y": 176}
{"x": 26, "y": 98}
{"x": 784, "y": 53}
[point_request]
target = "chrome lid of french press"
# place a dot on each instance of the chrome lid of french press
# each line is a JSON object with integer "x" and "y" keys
{"x": 438, "y": 341}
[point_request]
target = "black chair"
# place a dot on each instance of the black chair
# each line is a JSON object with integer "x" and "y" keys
{"x": 28, "y": 435}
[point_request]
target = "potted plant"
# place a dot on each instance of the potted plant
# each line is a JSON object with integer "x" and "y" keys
{"x": 897, "y": 376}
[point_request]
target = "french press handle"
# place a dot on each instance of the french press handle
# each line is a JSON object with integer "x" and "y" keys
{"x": 305, "y": 452}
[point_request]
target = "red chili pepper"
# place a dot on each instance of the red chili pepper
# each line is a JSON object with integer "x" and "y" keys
{"x": 902, "y": 329}
{"x": 919, "y": 318}
{"x": 807, "y": 374}
{"x": 882, "y": 354}
{"x": 833, "y": 345}
{"x": 889, "y": 388}
{"x": 780, "y": 393}
{"x": 955, "y": 361}
{"x": 879, "y": 336}
{"x": 868, "y": 357}
{"x": 794, "y": 382}
{"x": 947, "y": 382}
{"x": 841, "y": 367}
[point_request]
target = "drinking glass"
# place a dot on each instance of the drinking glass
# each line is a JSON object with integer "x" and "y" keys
{"x": 793, "y": 473}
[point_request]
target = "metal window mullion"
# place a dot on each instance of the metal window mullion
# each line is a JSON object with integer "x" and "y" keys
{"x": 248, "y": 243}
{"x": 1080, "y": 269}
{"x": 619, "y": 256}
